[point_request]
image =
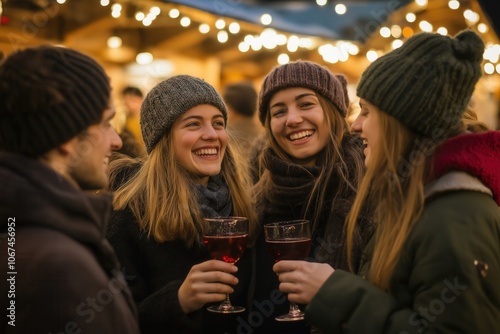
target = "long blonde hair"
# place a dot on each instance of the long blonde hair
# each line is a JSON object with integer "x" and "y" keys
{"x": 161, "y": 193}
{"x": 393, "y": 183}
{"x": 331, "y": 160}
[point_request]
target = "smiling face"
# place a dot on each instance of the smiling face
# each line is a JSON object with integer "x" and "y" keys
{"x": 298, "y": 124}
{"x": 88, "y": 162}
{"x": 369, "y": 121}
{"x": 199, "y": 140}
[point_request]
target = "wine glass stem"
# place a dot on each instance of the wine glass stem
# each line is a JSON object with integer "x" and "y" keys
{"x": 294, "y": 309}
{"x": 226, "y": 303}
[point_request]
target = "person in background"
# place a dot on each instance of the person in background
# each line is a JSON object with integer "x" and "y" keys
{"x": 192, "y": 171}
{"x": 435, "y": 262}
{"x": 56, "y": 139}
{"x": 133, "y": 144}
{"x": 312, "y": 164}
{"x": 241, "y": 102}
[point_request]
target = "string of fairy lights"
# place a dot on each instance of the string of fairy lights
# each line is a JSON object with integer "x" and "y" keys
{"x": 227, "y": 28}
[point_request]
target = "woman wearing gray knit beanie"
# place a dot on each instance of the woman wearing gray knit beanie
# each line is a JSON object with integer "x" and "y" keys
{"x": 434, "y": 262}
{"x": 192, "y": 171}
{"x": 312, "y": 164}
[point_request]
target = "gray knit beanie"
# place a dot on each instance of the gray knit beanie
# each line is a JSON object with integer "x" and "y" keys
{"x": 427, "y": 83}
{"x": 48, "y": 95}
{"x": 304, "y": 74}
{"x": 170, "y": 99}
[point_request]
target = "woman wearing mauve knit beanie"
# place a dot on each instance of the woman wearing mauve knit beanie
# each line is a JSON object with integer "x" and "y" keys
{"x": 433, "y": 265}
{"x": 312, "y": 164}
{"x": 192, "y": 171}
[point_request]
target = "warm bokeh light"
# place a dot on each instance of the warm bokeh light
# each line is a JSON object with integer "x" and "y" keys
{"x": 234, "y": 28}
{"x": 443, "y": 31}
{"x": 220, "y": 24}
{"x": 489, "y": 68}
{"x": 114, "y": 42}
{"x": 222, "y": 36}
{"x": 340, "y": 9}
{"x": 410, "y": 17}
{"x": 385, "y": 32}
{"x": 204, "y": 28}
{"x": 454, "y": 4}
{"x": 185, "y": 21}
{"x": 174, "y": 13}
{"x": 482, "y": 28}
{"x": 144, "y": 58}
{"x": 407, "y": 32}
{"x": 283, "y": 59}
{"x": 371, "y": 55}
{"x": 266, "y": 19}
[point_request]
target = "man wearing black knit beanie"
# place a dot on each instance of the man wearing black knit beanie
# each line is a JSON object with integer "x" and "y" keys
{"x": 55, "y": 143}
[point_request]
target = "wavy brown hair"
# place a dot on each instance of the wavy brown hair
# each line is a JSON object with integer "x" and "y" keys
{"x": 162, "y": 196}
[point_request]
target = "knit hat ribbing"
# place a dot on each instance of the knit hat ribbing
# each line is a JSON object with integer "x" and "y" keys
{"x": 170, "y": 99}
{"x": 304, "y": 74}
{"x": 427, "y": 83}
{"x": 48, "y": 95}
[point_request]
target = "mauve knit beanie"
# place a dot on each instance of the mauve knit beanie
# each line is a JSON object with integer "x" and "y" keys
{"x": 172, "y": 98}
{"x": 48, "y": 95}
{"x": 427, "y": 83}
{"x": 304, "y": 74}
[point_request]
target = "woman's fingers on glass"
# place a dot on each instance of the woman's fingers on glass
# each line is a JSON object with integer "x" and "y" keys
{"x": 217, "y": 265}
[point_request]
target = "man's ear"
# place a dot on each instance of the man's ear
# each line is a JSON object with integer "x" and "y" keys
{"x": 69, "y": 147}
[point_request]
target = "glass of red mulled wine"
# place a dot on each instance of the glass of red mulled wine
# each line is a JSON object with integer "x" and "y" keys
{"x": 289, "y": 240}
{"x": 226, "y": 240}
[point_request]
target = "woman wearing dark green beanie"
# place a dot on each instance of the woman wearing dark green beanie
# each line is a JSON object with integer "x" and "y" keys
{"x": 192, "y": 171}
{"x": 435, "y": 258}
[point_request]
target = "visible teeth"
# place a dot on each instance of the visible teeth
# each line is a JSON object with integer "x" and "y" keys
{"x": 300, "y": 135}
{"x": 206, "y": 151}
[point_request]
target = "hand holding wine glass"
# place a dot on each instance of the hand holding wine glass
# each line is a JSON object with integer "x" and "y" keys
{"x": 289, "y": 240}
{"x": 226, "y": 240}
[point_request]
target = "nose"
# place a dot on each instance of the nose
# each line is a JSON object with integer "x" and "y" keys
{"x": 209, "y": 133}
{"x": 356, "y": 125}
{"x": 293, "y": 118}
{"x": 116, "y": 141}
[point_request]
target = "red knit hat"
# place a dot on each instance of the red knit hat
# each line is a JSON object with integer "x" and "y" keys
{"x": 304, "y": 74}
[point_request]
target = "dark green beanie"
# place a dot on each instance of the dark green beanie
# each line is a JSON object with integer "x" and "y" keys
{"x": 427, "y": 83}
{"x": 48, "y": 95}
{"x": 170, "y": 99}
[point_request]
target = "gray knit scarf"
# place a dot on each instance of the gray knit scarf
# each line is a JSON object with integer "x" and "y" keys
{"x": 214, "y": 199}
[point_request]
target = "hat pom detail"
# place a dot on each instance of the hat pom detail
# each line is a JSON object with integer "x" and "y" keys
{"x": 468, "y": 46}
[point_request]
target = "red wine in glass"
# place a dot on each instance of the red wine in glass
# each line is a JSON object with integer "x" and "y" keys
{"x": 289, "y": 240}
{"x": 226, "y": 239}
{"x": 226, "y": 248}
{"x": 289, "y": 249}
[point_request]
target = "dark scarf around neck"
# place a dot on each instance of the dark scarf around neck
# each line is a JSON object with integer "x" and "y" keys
{"x": 214, "y": 199}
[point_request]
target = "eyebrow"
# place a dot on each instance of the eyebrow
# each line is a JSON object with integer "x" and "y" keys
{"x": 200, "y": 117}
{"x": 110, "y": 117}
{"x": 298, "y": 97}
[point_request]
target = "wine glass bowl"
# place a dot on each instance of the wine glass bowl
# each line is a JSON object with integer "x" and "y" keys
{"x": 289, "y": 240}
{"x": 225, "y": 239}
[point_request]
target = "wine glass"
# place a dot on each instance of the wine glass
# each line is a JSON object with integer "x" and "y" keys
{"x": 289, "y": 240}
{"x": 226, "y": 240}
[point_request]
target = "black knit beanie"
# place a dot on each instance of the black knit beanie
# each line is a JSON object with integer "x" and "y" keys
{"x": 427, "y": 83}
{"x": 48, "y": 95}
{"x": 304, "y": 74}
{"x": 170, "y": 99}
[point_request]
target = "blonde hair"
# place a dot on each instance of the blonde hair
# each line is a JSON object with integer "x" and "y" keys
{"x": 162, "y": 196}
{"x": 333, "y": 154}
{"x": 394, "y": 184}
